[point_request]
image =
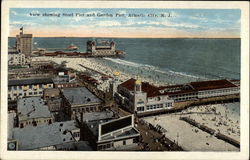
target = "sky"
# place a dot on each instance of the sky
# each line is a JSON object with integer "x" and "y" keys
{"x": 126, "y": 22}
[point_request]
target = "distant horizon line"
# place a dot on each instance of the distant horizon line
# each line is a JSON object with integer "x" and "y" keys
{"x": 140, "y": 37}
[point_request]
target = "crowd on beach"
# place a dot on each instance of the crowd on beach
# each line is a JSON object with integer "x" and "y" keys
{"x": 223, "y": 118}
{"x": 81, "y": 65}
{"x": 216, "y": 116}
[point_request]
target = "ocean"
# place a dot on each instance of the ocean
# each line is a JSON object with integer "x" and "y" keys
{"x": 169, "y": 60}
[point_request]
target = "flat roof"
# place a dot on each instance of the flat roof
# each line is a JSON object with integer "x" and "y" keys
{"x": 93, "y": 116}
{"x": 214, "y": 84}
{"x": 80, "y": 95}
{"x": 26, "y": 35}
{"x": 32, "y": 107}
{"x": 44, "y": 135}
{"x": 18, "y": 82}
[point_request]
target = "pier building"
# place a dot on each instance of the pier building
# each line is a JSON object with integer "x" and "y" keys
{"x": 101, "y": 48}
{"x": 201, "y": 90}
{"x": 143, "y": 98}
{"x": 139, "y": 97}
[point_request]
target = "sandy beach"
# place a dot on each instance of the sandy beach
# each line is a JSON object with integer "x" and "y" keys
{"x": 191, "y": 138}
{"x": 91, "y": 63}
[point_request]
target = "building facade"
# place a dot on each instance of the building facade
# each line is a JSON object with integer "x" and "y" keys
{"x": 24, "y": 43}
{"x": 17, "y": 59}
{"x": 79, "y": 100}
{"x": 101, "y": 48}
{"x": 116, "y": 134}
{"x": 201, "y": 90}
{"x": 33, "y": 111}
{"x": 20, "y": 88}
{"x": 139, "y": 97}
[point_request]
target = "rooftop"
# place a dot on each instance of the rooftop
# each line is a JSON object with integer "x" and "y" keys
{"x": 93, "y": 116}
{"x": 121, "y": 127}
{"x": 215, "y": 84}
{"x": 26, "y": 35}
{"x": 44, "y": 135}
{"x": 151, "y": 90}
{"x": 64, "y": 79}
{"x": 51, "y": 91}
{"x": 80, "y": 95}
{"x": 32, "y": 107}
{"x": 19, "y": 82}
{"x": 127, "y": 132}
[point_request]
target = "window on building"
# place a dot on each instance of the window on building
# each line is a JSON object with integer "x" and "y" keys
{"x": 34, "y": 123}
{"x": 135, "y": 140}
{"x": 124, "y": 142}
{"x": 30, "y": 93}
{"x": 99, "y": 147}
{"x": 140, "y": 108}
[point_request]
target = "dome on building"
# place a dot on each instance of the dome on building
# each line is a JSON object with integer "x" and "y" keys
{"x": 137, "y": 82}
{"x": 116, "y": 73}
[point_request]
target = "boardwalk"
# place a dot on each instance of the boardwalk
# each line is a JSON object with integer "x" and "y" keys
{"x": 153, "y": 140}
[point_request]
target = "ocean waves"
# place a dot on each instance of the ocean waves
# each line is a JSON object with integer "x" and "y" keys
{"x": 153, "y": 72}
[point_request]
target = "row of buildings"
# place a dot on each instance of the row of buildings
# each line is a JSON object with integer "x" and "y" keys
{"x": 56, "y": 112}
{"x": 142, "y": 98}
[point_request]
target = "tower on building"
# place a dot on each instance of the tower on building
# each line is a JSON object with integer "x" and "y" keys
{"x": 114, "y": 84}
{"x": 137, "y": 86}
{"x": 24, "y": 43}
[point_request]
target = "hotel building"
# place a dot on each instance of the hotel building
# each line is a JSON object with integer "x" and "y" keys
{"x": 24, "y": 43}
{"x": 20, "y": 88}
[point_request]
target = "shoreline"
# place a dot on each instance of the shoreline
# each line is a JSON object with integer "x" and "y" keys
{"x": 94, "y": 65}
